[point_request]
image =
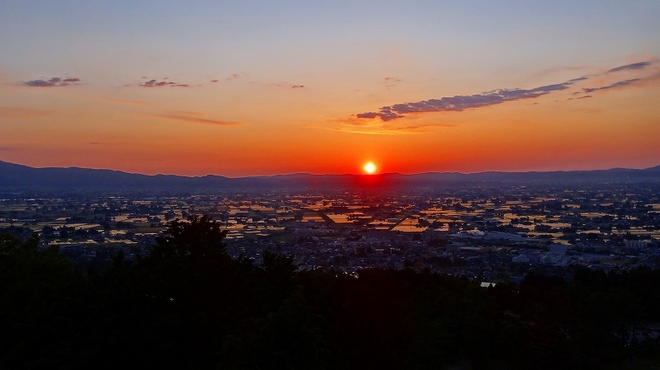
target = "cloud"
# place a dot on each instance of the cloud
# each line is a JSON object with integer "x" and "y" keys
{"x": 369, "y": 115}
{"x": 410, "y": 129}
{"x": 390, "y": 82}
{"x": 239, "y": 75}
{"x": 155, "y": 83}
{"x": 375, "y": 127}
{"x": 611, "y": 86}
{"x": 631, "y": 66}
{"x": 214, "y": 81}
{"x": 53, "y": 82}
{"x": 554, "y": 70}
{"x": 385, "y": 120}
{"x": 286, "y": 84}
{"x": 121, "y": 101}
{"x": 458, "y": 103}
{"x": 194, "y": 117}
{"x": 20, "y": 113}
{"x": 462, "y": 102}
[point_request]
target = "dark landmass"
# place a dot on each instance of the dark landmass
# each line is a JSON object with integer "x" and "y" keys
{"x": 19, "y": 177}
{"x": 188, "y": 305}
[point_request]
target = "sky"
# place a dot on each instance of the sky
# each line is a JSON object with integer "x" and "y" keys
{"x": 245, "y": 88}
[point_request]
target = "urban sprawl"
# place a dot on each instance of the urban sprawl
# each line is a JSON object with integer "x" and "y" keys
{"x": 484, "y": 233}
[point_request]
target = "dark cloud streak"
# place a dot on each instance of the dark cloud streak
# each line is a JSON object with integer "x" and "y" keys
{"x": 616, "y": 84}
{"x": 631, "y": 66}
{"x": 53, "y": 82}
{"x": 459, "y": 103}
{"x": 154, "y": 83}
{"x": 194, "y": 118}
{"x": 286, "y": 84}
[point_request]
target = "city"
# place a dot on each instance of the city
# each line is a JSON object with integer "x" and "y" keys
{"x": 485, "y": 233}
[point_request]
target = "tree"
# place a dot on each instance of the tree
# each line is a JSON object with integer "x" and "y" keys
{"x": 285, "y": 339}
{"x": 43, "y": 303}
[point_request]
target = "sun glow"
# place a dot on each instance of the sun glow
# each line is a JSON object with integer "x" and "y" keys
{"x": 369, "y": 168}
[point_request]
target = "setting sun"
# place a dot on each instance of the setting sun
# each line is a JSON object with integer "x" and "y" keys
{"x": 369, "y": 168}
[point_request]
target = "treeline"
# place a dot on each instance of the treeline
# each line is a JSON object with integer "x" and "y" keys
{"x": 188, "y": 305}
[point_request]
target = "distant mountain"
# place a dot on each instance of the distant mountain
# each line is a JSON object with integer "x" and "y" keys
{"x": 14, "y": 177}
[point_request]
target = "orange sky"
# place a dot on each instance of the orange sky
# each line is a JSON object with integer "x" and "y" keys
{"x": 324, "y": 96}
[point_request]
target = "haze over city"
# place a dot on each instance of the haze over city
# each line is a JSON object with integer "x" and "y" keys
{"x": 259, "y": 88}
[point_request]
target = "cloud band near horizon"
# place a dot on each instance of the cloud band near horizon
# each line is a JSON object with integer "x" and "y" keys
{"x": 52, "y": 82}
{"x": 459, "y": 103}
{"x": 463, "y": 102}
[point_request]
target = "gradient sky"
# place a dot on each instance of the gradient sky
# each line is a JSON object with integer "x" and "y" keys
{"x": 272, "y": 87}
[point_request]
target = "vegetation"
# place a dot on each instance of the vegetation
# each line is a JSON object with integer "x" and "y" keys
{"x": 189, "y": 306}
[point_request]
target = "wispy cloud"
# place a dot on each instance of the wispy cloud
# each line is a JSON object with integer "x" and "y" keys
{"x": 411, "y": 129}
{"x": 20, "y": 113}
{"x": 155, "y": 83}
{"x": 631, "y": 66}
{"x": 195, "y": 117}
{"x": 558, "y": 69}
{"x": 463, "y": 102}
{"x": 374, "y": 127}
{"x": 458, "y": 103}
{"x": 286, "y": 85}
{"x": 390, "y": 82}
{"x": 121, "y": 101}
{"x": 611, "y": 86}
{"x": 53, "y": 82}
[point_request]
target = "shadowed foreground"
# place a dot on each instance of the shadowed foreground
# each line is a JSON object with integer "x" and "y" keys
{"x": 188, "y": 305}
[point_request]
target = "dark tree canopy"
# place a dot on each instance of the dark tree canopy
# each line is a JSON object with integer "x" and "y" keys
{"x": 188, "y": 305}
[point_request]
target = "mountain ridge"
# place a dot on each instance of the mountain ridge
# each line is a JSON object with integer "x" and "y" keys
{"x": 17, "y": 176}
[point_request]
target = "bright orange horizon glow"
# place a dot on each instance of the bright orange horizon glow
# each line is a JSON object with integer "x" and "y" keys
{"x": 285, "y": 99}
{"x": 370, "y": 168}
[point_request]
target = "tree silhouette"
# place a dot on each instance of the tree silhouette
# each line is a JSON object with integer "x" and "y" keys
{"x": 42, "y": 306}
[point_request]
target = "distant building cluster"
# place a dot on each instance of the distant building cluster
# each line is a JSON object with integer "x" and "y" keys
{"x": 483, "y": 233}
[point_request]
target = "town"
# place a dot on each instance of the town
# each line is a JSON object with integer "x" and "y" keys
{"x": 485, "y": 233}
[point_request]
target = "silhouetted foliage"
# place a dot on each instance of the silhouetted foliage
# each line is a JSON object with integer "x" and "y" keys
{"x": 188, "y": 305}
{"x": 42, "y": 305}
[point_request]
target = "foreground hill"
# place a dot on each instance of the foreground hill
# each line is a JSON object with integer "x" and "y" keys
{"x": 188, "y": 305}
{"x": 14, "y": 176}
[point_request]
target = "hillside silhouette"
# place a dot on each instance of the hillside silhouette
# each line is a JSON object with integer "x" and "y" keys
{"x": 14, "y": 176}
{"x": 188, "y": 305}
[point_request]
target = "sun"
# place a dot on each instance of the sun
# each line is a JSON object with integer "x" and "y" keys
{"x": 369, "y": 168}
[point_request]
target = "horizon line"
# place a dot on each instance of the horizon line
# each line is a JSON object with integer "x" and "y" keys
{"x": 328, "y": 174}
